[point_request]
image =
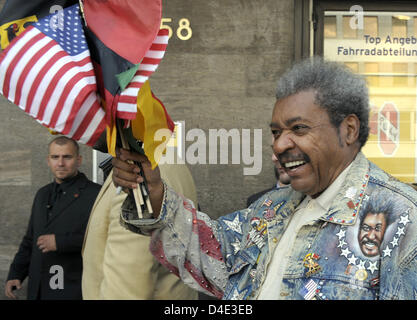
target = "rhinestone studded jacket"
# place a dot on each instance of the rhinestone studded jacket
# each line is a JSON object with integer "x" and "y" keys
{"x": 364, "y": 247}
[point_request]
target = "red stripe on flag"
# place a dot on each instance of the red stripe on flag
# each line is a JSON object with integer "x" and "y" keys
{"x": 158, "y": 47}
{"x": 100, "y": 128}
{"x": 40, "y": 77}
{"x": 52, "y": 83}
{"x": 64, "y": 95}
{"x": 16, "y": 60}
{"x": 144, "y": 73}
{"x": 128, "y": 99}
{"x": 148, "y": 60}
{"x": 84, "y": 93}
{"x": 27, "y": 69}
{"x": 86, "y": 121}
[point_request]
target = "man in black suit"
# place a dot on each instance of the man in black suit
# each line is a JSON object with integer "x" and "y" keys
{"x": 50, "y": 252}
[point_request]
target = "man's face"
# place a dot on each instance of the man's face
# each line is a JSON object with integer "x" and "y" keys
{"x": 283, "y": 177}
{"x": 306, "y": 144}
{"x": 63, "y": 161}
{"x": 371, "y": 233}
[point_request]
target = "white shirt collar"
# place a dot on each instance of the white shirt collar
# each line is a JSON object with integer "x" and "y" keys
{"x": 326, "y": 198}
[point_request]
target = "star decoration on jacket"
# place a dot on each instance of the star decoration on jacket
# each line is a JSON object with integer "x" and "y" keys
{"x": 234, "y": 224}
{"x": 352, "y": 260}
{"x": 341, "y": 233}
{"x": 361, "y": 264}
{"x": 387, "y": 252}
{"x": 346, "y": 252}
{"x": 341, "y": 243}
{"x": 394, "y": 242}
{"x": 404, "y": 220}
{"x": 400, "y": 231}
{"x": 373, "y": 266}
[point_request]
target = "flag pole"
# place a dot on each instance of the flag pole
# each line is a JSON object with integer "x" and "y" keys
{"x": 137, "y": 193}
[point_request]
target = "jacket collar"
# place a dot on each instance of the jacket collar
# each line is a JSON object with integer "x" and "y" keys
{"x": 345, "y": 206}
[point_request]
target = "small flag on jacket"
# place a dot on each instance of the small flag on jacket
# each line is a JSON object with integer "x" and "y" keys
{"x": 309, "y": 290}
{"x": 48, "y": 73}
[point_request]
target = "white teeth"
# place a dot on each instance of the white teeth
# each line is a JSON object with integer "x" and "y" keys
{"x": 293, "y": 164}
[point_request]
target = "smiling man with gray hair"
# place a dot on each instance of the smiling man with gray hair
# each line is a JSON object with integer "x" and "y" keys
{"x": 295, "y": 242}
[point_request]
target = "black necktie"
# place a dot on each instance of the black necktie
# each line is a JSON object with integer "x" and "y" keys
{"x": 56, "y": 194}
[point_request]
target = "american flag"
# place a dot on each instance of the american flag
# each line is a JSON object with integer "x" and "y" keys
{"x": 309, "y": 290}
{"x": 47, "y": 72}
{"x": 127, "y": 104}
{"x": 267, "y": 202}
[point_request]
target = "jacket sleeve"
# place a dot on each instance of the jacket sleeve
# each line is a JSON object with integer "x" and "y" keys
{"x": 19, "y": 268}
{"x": 190, "y": 244}
{"x": 69, "y": 242}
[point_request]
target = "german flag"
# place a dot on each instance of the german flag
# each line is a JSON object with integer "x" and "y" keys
{"x": 17, "y": 15}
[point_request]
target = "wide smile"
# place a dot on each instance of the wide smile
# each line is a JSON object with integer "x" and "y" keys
{"x": 293, "y": 167}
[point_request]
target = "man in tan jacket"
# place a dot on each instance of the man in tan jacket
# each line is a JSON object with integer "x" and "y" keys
{"x": 117, "y": 263}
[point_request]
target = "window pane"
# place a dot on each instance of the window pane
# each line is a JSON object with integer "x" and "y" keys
{"x": 385, "y": 53}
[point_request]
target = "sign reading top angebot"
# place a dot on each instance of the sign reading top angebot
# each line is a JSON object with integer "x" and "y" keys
{"x": 383, "y": 48}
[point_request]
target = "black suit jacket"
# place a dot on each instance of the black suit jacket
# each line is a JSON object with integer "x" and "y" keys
{"x": 69, "y": 218}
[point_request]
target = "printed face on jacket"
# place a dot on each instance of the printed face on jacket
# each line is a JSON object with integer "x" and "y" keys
{"x": 371, "y": 233}
{"x": 381, "y": 225}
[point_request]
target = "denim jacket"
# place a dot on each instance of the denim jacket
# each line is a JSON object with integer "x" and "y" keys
{"x": 364, "y": 247}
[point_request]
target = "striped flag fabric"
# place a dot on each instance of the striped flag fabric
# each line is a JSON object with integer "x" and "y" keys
{"x": 127, "y": 104}
{"x": 48, "y": 73}
{"x": 309, "y": 290}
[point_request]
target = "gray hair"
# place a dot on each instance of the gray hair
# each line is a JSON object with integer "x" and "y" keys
{"x": 339, "y": 91}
